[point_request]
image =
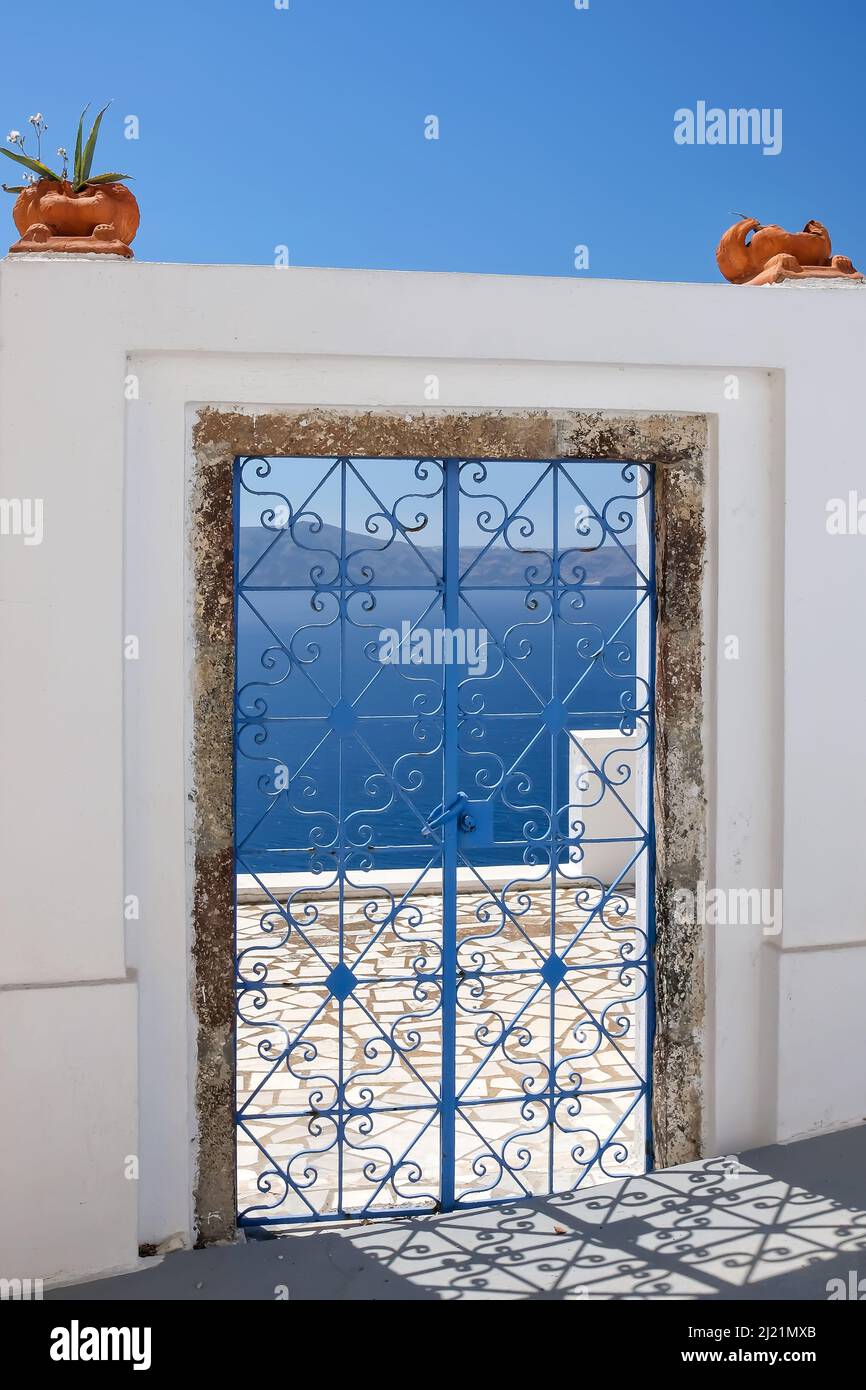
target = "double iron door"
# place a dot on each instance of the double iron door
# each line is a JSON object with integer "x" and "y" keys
{"x": 443, "y": 755}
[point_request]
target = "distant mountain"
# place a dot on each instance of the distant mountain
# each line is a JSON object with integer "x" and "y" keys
{"x": 291, "y": 561}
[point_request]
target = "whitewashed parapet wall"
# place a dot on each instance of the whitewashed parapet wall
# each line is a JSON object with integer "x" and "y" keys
{"x": 100, "y": 367}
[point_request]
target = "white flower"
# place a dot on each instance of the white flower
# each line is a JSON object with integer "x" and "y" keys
{"x": 61, "y": 151}
{"x": 14, "y": 137}
{"x": 37, "y": 119}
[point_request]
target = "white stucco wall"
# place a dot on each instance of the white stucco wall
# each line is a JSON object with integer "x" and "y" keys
{"x": 95, "y": 749}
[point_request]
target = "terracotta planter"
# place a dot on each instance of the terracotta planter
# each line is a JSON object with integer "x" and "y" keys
{"x": 50, "y": 217}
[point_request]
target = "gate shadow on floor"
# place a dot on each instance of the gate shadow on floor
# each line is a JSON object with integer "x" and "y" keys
{"x": 776, "y": 1223}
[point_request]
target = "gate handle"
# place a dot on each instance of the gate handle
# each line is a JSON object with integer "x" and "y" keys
{"x": 455, "y": 809}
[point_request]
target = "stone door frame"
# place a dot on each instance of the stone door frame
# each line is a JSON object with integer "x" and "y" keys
{"x": 677, "y": 446}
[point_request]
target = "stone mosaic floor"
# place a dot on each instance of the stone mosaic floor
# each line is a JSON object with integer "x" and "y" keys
{"x": 367, "y": 1048}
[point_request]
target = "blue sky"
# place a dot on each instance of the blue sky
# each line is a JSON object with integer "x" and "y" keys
{"x": 304, "y": 127}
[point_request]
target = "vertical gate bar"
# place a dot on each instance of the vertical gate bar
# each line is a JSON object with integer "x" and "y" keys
{"x": 341, "y": 848}
{"x": 554, "y": 821}
{"x": 236, "y": 569}
{"x": 450, "y": 774}
{"x": 650, "y": 823}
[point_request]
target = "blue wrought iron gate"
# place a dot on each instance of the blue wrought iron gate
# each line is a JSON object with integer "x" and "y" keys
{"x": 443, "y": 836}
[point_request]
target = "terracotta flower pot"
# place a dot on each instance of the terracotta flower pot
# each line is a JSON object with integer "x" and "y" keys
{"x": 50, "y": 217}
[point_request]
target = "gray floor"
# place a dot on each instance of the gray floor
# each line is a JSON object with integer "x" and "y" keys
{"x": 778, "y": 1222}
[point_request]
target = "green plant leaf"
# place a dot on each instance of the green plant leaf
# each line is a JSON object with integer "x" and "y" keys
{"x": 90, "y": 147}
{"x": 13, "y": 187}
{"x": 106, "y": 178}
{"x": 41, "y": 169}
{"x": 76, "y": 163}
